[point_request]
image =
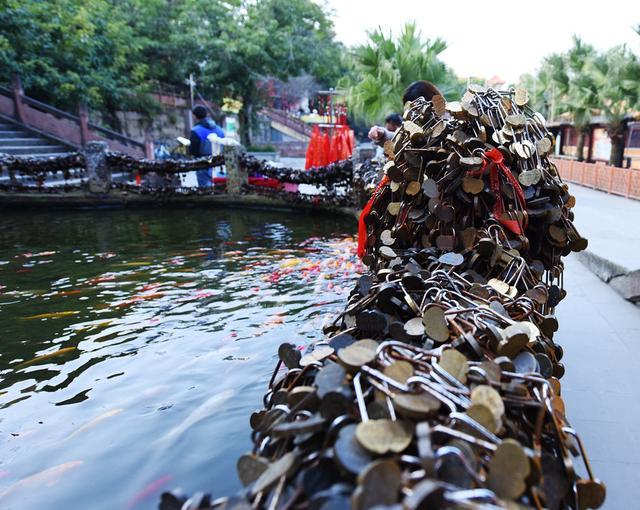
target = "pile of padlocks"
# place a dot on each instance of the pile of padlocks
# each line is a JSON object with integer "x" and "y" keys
{"x": 123, "y": 161}
{"x": 38, "y": 166}
{"x": 337, "y": 174}
{"x": 438, "y": 386}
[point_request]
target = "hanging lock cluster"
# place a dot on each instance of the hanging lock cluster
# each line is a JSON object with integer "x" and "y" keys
{"x": 438, "y": 386}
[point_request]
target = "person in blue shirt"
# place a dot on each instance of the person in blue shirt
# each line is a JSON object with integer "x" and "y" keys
{"x": 200, "y": 145}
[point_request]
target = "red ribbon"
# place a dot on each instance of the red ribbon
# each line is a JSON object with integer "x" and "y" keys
{"x": 494, "y": 164}
{"x": 362, "y": 227}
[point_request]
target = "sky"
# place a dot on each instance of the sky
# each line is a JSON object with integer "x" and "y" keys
{"x": 489, "y": 38}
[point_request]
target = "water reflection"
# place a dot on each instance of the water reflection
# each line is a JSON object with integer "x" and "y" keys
{"x": 135, "y": 344}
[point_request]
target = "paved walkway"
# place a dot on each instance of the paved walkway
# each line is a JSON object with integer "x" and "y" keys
{"x": 297, "y": 163}
{"x": 600, "y": 333}
{"x": 611, "y": 223}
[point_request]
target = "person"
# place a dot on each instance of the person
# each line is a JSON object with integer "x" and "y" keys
{"x": 200, "y": 144}
{"x": 391, "y": 124}
{"x": 420, "y": 88}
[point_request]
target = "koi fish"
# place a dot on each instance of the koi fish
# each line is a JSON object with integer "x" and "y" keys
{"x": 101, "y": 279}
{"x": 24, "y": 433}
{"x": 92, "y": 423}
{"x": 204, "y": 359}
{"x": 200, "y": 413}
{"x": 186, "y": 284}
{"x": 274, "y": 276}
{"x": 68, "y": 292}
{"x": 136, "y": 299}
{"x": 28, "y": 255}
{"x": 91, "y": 327}
{"x": 290, "y": 263}
{"x": 149, "y": 490}
{"x": 280, "y": 252}
{"x": 133, "y": 264}
{"x": 43, "y": 357}
{"x": 150, "y": 286}
{"x": 274, "y": 319}
{"x": 253, "y": 265}
{"x": 52, "y": 315}
{"x": 48, "y": 477}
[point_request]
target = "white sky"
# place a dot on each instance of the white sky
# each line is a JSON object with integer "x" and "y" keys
{"x": 488, "y": 38}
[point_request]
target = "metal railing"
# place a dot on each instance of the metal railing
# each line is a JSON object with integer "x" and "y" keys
{"x": 97, "y": 171}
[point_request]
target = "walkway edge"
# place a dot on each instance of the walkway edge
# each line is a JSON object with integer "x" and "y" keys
{"x": 623, "y": 281}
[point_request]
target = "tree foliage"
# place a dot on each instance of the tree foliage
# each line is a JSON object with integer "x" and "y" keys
{"x": 383, "y": 67}
{"x": 69, "y": 51}
{"x": 111, "y": 53}
{"x": 566, "y": 86}
{"x": 280, "y": 38}
{"x": 582, "y": 83}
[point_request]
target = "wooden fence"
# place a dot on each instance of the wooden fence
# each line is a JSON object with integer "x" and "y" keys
{"x": 612, "y": 179}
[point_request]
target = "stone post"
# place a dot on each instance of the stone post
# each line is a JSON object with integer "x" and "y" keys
{"x": 237, "y": 176}
{"x": 356, "y": 192}
{"x": 97, "y": 167}
{"x": 83, "y": 115}
{"x": 148, "y": 145}
{"x": 18, "y": 106}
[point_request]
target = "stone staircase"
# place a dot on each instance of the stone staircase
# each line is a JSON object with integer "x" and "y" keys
{"x": 288, "y": 124}
{"x": 19, "y": 140}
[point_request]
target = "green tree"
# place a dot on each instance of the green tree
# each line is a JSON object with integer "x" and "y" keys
{"x": 69, "y": 51}
{"x": 112, "y": 53}
{"x": 581, "y": 99}
{"x": 549, "y": 86}
{"x": 382, "y": 69}
{"x": 582, "y": 83}
{"x": 616, "y": 74}
{"x": 178, "y": 37}
{"x": 280, "y": 38}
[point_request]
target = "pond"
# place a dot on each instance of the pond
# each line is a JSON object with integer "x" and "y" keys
{"x": 135, "y": 344}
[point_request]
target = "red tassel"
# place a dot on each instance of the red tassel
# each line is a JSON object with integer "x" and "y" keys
{"x": 362, "y": 227}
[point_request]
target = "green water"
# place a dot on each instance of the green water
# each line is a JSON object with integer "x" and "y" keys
{"x": 134, "y": 345}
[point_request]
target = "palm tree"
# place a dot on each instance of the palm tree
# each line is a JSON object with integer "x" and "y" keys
{"x": 581, "y": 94}
{"x": 548, "y": 86}
{"x": 564, "y": 85}
{"x": 383, "y": 68}
{"x": 616, "y": 74}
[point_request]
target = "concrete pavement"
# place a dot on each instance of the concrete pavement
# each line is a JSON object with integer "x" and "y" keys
{"x": 612, "y": 226}
{"x": 600, "y": 334}
{"x": 297, "y": 163}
